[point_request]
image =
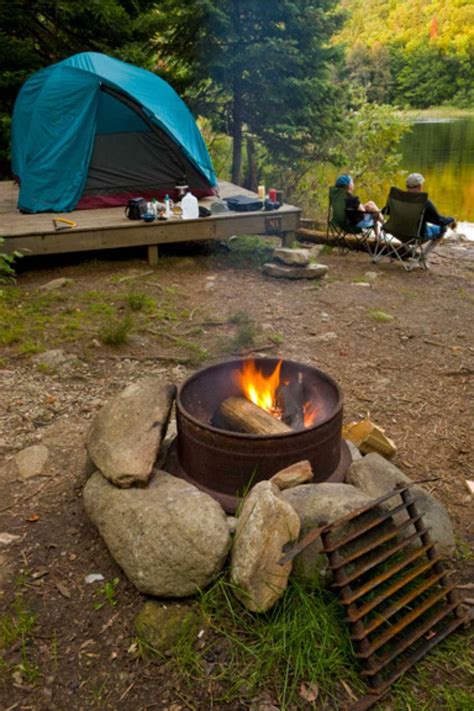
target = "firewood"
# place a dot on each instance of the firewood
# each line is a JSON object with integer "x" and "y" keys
{"x": 241, "y": 415}
{"x": 368, "y": 437}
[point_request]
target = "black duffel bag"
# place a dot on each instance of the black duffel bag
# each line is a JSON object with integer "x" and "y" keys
{"x": 136, "y": 208}
{"x": 242, "y": 203}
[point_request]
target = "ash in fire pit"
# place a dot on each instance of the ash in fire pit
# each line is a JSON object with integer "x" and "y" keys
{"x": 242, "y": 421}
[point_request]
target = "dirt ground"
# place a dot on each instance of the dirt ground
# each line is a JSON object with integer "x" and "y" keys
{"x": 400, "y": 346}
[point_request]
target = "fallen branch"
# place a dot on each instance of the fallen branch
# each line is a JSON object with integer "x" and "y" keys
{"x": 27, "y": 498}
{"x": 254, "y": 350}
{"x": 463, "y": 371}
{"x": 135, "y": 276}
{"x": 175, "y": 359}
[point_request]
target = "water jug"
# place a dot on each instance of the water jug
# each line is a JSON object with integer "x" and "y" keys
{"x": 190, "y": 207}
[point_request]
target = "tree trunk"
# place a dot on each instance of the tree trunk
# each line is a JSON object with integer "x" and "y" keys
{"x": 251, "y": 182}
{"x": 237, "y": 133}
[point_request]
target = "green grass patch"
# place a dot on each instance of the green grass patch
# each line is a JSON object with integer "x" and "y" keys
{"x": 379, "y": 315}
{"x": 301, "y": 639}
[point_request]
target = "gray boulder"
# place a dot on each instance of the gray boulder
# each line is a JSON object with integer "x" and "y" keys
{"x": 282, "y": 271}
{"x": 124, "y": 438}
{"x": 292, "y": 257}
{"x": 170, "y": 539}
{"x": 265, "y": 525}
{"x": 316, "y": 505}
{"x": 375, "y": 476}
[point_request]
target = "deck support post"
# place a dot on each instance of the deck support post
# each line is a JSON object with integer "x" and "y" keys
{"x": 153, "y": 255}
{"x": 288, "y": 239}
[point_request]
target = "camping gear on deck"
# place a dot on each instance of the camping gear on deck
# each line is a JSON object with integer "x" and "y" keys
{"x": 136, "y": 208}
{"x": 92, "y": 131}
{"x": 243, "y": 203}
{"x": 61, "y": 224}
{"x": 190, "y": 207}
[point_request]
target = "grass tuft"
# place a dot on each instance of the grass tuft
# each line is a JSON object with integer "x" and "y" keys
{"x": 138, "y": 301}
{"x": 116, "y": 333}
{"x": 380, "y": 316}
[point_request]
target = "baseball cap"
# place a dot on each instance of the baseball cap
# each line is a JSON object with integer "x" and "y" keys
{"x": 343, "y": 180}
{"x": 414, "y": 180}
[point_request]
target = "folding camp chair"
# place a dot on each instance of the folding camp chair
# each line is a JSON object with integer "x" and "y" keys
{"x": 402, "y": 235}
{"x": 346, "y": 235}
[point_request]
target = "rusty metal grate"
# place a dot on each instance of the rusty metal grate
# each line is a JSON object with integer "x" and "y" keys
{"x": 395, "y": 589}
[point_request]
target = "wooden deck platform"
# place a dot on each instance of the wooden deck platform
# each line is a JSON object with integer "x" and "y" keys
{"x": 108, "y": 228}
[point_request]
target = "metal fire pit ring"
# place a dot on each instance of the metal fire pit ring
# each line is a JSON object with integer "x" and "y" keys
{"x": 223, "y": 463}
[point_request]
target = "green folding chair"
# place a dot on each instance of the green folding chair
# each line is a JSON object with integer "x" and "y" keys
{"x": 339, "y": 229}
{"x": 405, "y": 223}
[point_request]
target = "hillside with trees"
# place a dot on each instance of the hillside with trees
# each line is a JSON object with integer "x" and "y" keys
{"x": 418, "y": 53}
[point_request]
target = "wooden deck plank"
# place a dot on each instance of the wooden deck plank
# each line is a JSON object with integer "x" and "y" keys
{"x": 108, "y": 228}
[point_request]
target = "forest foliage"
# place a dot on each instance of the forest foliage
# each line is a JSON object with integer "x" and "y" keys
{"x": 287, "y": 91}
{"x": 416, "y": 53}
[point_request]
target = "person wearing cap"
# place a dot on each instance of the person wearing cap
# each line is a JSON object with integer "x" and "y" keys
{"x": 434, "y": 225}
{"x": 361, "y": 215}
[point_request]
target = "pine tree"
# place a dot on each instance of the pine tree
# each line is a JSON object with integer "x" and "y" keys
{"x": 258, "y": 69}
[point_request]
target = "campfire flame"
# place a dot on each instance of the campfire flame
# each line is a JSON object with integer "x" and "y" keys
{"x": 262, "y": 390}
{"x": 259, "y": 388}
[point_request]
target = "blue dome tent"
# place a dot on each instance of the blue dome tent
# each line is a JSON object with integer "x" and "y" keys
{"x": 93, "y": 131}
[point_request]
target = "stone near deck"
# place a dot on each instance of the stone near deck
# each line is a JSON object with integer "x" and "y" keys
{"x": 292, "y": 257}
{"x": 160, "y": 626}
{"x": 266, "y": 523}
{"x": 55, "y": 284}
{"x": 170, "y": 539}
{"x": 281, "y": 271}
{"x": 30, "y": 462}
{"x": 375, "y": 476}
{"x": 294, "y": 475}
{"x": 316, "y": 505}
{"x": 125, "y": 437}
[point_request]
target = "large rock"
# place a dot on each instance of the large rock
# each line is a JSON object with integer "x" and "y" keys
{"x": 292, "y": 257}
{"x": 316, "y": 505}
{"x": 31, "y": 461}
{"x": 265, "y": 525}
{"x": 125, "y": 437}
{"x": 375, "y": 476}
{"x": 282, "y": 271}
{"x": 161, "y": 627}
{"x": 169, "y": 538}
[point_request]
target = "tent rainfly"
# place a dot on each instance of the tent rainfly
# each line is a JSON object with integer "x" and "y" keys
{"x": 92, "y": 131}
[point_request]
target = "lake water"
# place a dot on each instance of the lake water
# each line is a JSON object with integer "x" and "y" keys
{"x": 443, "y": 151}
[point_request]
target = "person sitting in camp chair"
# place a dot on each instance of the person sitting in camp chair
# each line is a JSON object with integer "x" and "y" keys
{"x": 434, "y": 225}
{"x": 362, "y": 215}
{"x": 412, "y": 222}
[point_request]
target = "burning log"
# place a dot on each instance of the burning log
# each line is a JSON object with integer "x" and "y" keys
{"x": 290, "y": 400}
{"x": 241, "y": 415}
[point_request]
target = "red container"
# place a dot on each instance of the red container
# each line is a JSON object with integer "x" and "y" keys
{"x": 272, "y": 194}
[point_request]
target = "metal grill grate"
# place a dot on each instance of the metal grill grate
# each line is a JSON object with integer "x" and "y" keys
{"x": 398, "y": 599}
